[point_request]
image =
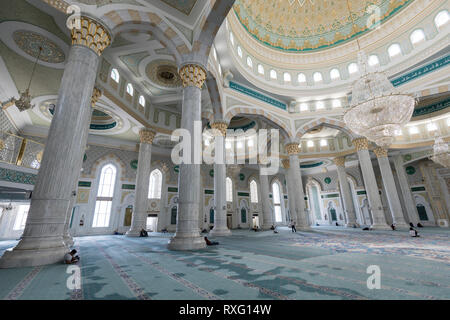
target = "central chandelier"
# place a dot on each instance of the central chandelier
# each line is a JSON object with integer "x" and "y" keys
{"x": 441, "y": 155}
{"x": 377, "y": 109}
{"x": 24, "y": 101}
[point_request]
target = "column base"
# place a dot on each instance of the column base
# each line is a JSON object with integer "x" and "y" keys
{"x": 220, "y": 232}
{"x": 178, "y": 243}
{"x": 17, "y": 258}
{"x": 401, "y": 225}
{"x": 267, "y": 226}
{"x": 351, "y": 224}
{"x": 380, "y": 227}
{"x": 133, "y": 233}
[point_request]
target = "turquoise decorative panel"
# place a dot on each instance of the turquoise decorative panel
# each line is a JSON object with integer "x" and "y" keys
{"x": 241, "y": 176}
{"x": 249, "y": 92}
{"x": 134, "y": 164}
{"x": 327, "y": 180}
{"x": 410, "y": 170}
{"x": 211, "y": 172}
{"x": 17, "y": 176}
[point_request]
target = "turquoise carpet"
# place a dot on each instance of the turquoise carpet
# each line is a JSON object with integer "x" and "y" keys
{"x": 327, "y": 263}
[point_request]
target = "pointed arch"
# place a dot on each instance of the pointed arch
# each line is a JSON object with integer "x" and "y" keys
{"x": 332, "y": 123}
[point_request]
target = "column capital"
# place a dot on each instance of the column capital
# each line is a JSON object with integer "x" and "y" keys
{"x": 192, "y": 75}
{"x": 361, "y": 144}
{"x": 147, "y": 135}
{"x": 92, "y": 34}
{"x": 221, "y": 126}
{"x": 292, "y": 148}
{"x": 339, "y": 161}
{"x": 380, "y": 152}
{"x": 96, "y": 94}
{"x": 286, "y": 163}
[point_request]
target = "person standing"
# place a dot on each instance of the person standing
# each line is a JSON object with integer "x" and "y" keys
{"x": 293, "y": 226}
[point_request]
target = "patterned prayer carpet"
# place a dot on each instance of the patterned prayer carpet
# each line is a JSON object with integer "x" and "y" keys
{"x": 327, "y": 263}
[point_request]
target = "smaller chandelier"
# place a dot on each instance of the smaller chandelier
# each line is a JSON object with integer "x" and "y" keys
{"x": 24, "y": 101}
{"x": 441, "y": 154}
{"x": 377, "y": 110}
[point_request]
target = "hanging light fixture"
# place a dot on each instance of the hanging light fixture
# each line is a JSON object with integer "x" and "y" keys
{"x": 377, "y": 109}
{"x": 24, "y": 101}
{"x": 441, "y": 154}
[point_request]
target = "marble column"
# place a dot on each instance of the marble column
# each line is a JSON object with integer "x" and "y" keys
{"x": 68, "y": 240}
{"x": 220, "y": 202}
{"x": 409, "y": 202}
{"x": 391, "y": 190}
{"x": 267, "y": 213}
{"x": 290, "y": 190}
{"x": 373, "y": 195}
{"x": 140, "y": 208}
{"x": 350, "y": 214}
{"x": 42, "y": 240}
{"x": 187, "y": 236}
{"x": 300, "y": 214}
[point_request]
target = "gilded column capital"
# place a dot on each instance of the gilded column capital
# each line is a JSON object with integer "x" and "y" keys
{"x": 96, "y": 94}
{"x": 292, "y": 148}
{"x": 380, "y": 152}
{"x": 147, "y": 135}
{"x": 192, "y": 75}
{"x": 221, "y": 126}
{"x": 361, "y": 144}
{"x": 2, "y": 144}
{"x": 339, "y": 161}
{"x": 92, "y": 34}
{"x": 286, "y": 163}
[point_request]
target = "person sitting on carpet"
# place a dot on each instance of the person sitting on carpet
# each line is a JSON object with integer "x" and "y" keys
{"x": 70, "y": 257}
{"x": 411, "y": 225}
{"x": 210, "y": 243}
{"x": 117, "y": 233}
{"x": 366, "y": 229}
{"x": 272, "y": 227}
{"x": 413, "y": 232}
{"x": 392, "y": 227}
{"x": 143, "y": 233}
{"x": 164, "y": 230}
{"x": 419, "y": 225}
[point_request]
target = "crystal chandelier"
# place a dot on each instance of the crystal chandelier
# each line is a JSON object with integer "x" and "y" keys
{"x": 24, "y": 101}
{"x": 441, "y": 155}
{"x": 376, "y": 110}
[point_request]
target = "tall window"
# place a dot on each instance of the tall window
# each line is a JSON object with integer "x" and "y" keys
{"x": 441, "y": 19}
{"x": 260, "y": 69}
{"x": 317, "y": 76}
{"x": 104, "y": 196}
{"x": 334, "y": 74}
{"x": 352, "y": 68}
{"x": 417, "y": 36}
{"x": 21, "y": 218}
{"x": 154, "y": 189}
{"x": 239, "y": 51}
{"x": 301, "y": 78}
{"x": 115, "y": 75}
{"x": 373, "y": 60}
{"x": 142, "y": 101}
{"x": 277, "y": 202}
{"x": 229, "y": 189}
{"x": 287, "y": 77}
{"x": 273, "y": 74}
{"x": 394, "y": 50}
{"x": 253, "y": 192}
{"x": 130, "y": 89}
{"x": 249, "y": 62}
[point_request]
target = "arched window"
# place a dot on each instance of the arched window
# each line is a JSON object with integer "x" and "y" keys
{"x": 249, "y": 62}
{"x": 441, "y": 19}
{"x": 155, "y": 185}
{"x": 276, "y": 196}
{"x": 260, "y": 69}
{"x": 317, "y": 77}
{"x": 253, "y": 192}
{"x": 373, "y": 60}
{"x": 142, "y": 101}
{"x": 273, "y": 74}
{"x": 104, "y": 196}
{"x": 287, "y": 77}
{"x": 229, "y": 189}
{"x": 337, "y": 103}
{"x": 239, "y": 51}
{"x": 115, "y": 75}
{"x": 417, "y": 36}
{"x": 394, "y": 50}
{"x": 232, "y": 39}
{"x": 130, "y": 89}
{"x": 301, "y": 78}
{"x": 335, "y": 74}
{"x": 352, "y": 68}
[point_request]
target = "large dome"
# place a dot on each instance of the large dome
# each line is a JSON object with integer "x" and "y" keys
{"x": 307, "y": 25}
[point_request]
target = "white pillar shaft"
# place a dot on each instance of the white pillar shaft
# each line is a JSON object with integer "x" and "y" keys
{"x": 391, "y": 193}
{"x": 42, "y": 240}
{"x": 139, "y": 217}
{"x": 220, "y": 202}
{"x": 299, "y": 195}
{"x": 346, "y": 196}
{"x": 291, "y": 195}
{"x": 406, "y": 190}
{"x": 373, "y": 195}
{"x": 187, "y": 236}
{"x": 266, "y": 209}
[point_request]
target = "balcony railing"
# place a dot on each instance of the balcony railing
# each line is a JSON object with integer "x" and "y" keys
{"x": 20, "y": 151}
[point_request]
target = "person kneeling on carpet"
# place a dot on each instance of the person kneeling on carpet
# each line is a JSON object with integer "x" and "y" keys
{"x": 413, "y": 232}
{"x": 70, "y": 257}
{"x": 143, "y": 233}
{"x": 210, "y": 243}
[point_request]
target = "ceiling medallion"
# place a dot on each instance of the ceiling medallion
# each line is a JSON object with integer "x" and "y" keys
{"x": 163, "y": 73}
{"x": 31, "y": 43}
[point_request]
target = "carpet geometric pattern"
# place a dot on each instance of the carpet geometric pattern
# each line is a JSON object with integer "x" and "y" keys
{"x": 326, "y": 263}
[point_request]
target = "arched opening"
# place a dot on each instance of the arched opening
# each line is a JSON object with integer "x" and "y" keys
{"x": 173, "y": 215}
{"x": 155, "y": 184}
{"x": 105, "y": 195}
{"x": 276, "y": 201}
